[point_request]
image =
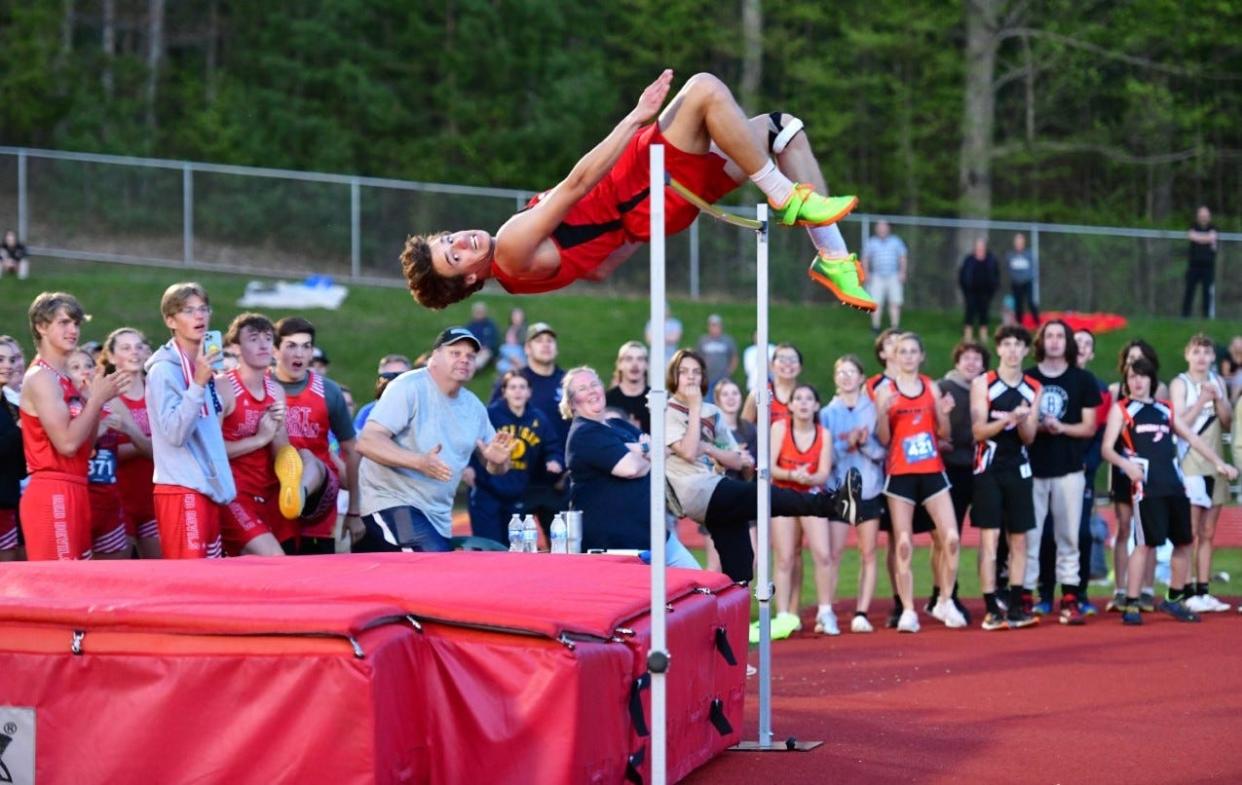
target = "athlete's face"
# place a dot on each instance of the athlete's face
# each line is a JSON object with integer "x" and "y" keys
{"x": 729, "y": 398}
{"x": 293, "y": 356}
{"x": 1235, "y": 349}
{"x": 79, "y": 368}
{"x": 1012, "y": 352}
{"x": 1199, "y": 358}
{"x": 848, "y": 376}
{"x": 1086, "y": 348}
{"x": 466, "y": 254}
{"x": 689, "y": 374}
{"x": 542, "y": 349}
{"x": 633, "y": 365}
{"x": 255, "y": 348}
{"x": 8, "y": 362}
{"x": 190, "y": 321}
{"x": 19, "y": 368}
{"x": 803, "y": 404}
{"x": 1138, "y": 384}
{"x": 517, "y": 392}
{"x": 909, "y": 355}
{"x": 586, "y": 395}
{"x": 888, "y": 350}
{"x": 1054, "y": 342}
{"x": 786, "y": 365}
{"x": 970, "y": 364}
{"x": 126, "y": 352}
{"x": 62, "y": 332}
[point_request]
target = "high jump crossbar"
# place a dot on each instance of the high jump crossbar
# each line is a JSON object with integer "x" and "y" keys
{"x": 658, "y": 658}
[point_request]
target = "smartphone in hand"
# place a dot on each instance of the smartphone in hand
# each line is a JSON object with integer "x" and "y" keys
{"x": 214, "y": 341}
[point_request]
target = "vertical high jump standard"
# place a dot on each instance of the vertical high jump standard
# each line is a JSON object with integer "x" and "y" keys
{"x": 658, "y": 658}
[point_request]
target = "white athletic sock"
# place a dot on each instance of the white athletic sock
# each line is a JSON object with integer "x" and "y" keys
{"x": 828, "y": 239}
{"x": 774, "y": 184}
{"x": 825, "y": 608}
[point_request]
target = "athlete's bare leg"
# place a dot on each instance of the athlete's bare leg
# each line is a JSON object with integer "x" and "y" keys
{"x": 703, "y": 112}
{"x": 263, "y": 545}
{"x": 1203, "y": 524}
{"x": 867, "y": 531}
{"x": 901, "y": 514}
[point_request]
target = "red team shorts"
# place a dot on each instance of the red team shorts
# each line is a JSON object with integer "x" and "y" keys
{"x": 107, "y": 519}
{"x": 56, "y": 509}
{"x": 248, "y": 517}
{"x": 189, "y": 523}
{"x": 8, "y": 529}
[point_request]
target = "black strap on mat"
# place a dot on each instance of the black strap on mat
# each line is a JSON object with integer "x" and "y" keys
{"x": 631, "y": 766}
{"x": 636, "y": 704}
{"x": 722, "y": 645}
{"x": 719, "y": 720}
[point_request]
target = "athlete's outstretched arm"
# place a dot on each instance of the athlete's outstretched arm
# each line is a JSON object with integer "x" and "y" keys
{"x": 521, "y": 235}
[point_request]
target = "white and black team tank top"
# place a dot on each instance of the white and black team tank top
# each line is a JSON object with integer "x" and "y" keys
{"x": 1148, "y": 436}
{"x": 1206, "y": 425}
{"x": 1005, "y": 450}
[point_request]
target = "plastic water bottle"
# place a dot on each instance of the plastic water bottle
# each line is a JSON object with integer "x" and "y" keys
{"x": 560, "y": 535}
{"x": 530, "y": 535}
{"x": 515, "y": 533}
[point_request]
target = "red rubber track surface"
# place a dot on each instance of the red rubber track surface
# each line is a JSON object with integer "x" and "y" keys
{"x": 1099, "y": 704}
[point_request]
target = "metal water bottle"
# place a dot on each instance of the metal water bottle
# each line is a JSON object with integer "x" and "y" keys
{"x": 515, "y": 533}
{"x": 530, "y": 535}
{"x": 559, "y": 535}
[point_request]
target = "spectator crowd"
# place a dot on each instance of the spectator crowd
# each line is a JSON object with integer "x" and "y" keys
{"x": 205, "y": 443}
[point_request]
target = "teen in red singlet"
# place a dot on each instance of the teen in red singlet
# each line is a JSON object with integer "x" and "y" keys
{"x": 911, "y": 416}
{"x": 255, "y": 440}
{"x": 127, "y": 349}
{"x": 315, "y": 409}
{"x": 58, "y": 430}
{"x": 783, "y": 372}
{"x": 804, "y": 463}
{"x": 597, "y": 216}
{"x": 108, "y": 540}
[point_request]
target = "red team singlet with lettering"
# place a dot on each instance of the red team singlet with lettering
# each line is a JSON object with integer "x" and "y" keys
{"x": 306, "y": 420}
{"x": 790, "y": 457}
{"x": 133, "y": 475}
{"x": 615, "y": 216}
{"x": 55, "y": 509}
{"x": 256, "y": 510}
{"x": 913, "y": 449}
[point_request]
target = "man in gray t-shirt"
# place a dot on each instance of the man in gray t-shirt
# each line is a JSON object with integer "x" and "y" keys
{"x": 719, "y": 351}
{"x": 885, "y": 258}
{"x": 417, "y": 441}
{"x": 1022, "y": 271}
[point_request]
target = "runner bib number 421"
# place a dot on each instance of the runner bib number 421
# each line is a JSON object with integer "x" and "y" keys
{"x": 918, "y": 447}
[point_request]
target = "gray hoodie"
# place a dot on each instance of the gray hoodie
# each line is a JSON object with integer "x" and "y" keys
{"x": 188, "y": 446}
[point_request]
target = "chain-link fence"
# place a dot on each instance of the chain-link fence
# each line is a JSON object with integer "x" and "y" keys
{"x": 265, "y": 221}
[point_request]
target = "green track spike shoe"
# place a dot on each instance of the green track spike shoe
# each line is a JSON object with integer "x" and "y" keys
{"x": 807, "y": 208}
{"x": 843, "y": 278}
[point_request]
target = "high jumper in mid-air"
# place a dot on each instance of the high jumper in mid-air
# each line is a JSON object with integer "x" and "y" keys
{"x": 595, "y": 218}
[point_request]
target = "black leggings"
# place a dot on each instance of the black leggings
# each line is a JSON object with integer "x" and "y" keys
{"x": 732, "y": 508}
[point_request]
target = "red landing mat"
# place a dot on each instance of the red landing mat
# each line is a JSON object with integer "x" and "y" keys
{"x": 395, "y": 668}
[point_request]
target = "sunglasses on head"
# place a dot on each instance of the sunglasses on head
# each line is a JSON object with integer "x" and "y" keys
{"x": 388, "y": 376}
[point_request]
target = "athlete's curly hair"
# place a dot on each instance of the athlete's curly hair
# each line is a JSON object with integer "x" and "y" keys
{"x": 427, "y": 287}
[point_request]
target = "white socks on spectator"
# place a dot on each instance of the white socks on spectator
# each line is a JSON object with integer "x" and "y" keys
{"x": 829, "y": 241}
{"x": 774, "y": 184}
